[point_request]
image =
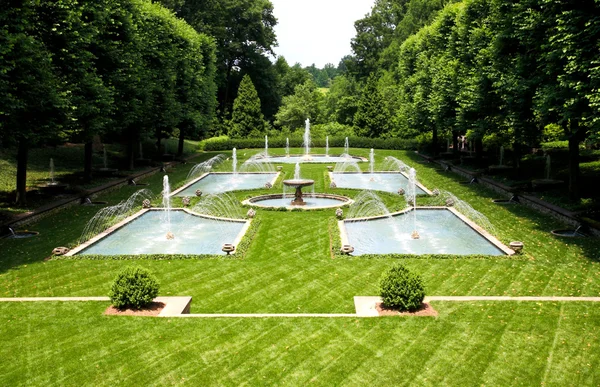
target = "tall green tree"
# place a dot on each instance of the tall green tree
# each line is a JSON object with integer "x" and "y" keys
{"x": 305, "y": 103}
{"x": 247, "y": 118}
{"x": 34, "y": 102}
{"x": 242, "y": 29}
{"x": 371, "y": 119}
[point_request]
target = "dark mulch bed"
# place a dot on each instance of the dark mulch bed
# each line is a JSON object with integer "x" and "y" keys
{"x": 151, "y": 310}
{"x": 424, "y": 310}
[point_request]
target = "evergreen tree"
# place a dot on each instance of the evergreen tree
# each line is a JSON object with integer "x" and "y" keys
{"x": 247, "y": 119}
{"x": 371, "y": 119}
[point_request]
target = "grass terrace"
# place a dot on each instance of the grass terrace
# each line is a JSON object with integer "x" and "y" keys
{"x": 292, "y": 265}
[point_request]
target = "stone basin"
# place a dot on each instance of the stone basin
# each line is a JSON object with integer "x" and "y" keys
{"x": 298, "y": 184}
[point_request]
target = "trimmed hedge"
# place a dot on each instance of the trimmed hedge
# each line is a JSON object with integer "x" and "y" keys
{"x": 223, "y": 143}
{"x": 134, "y": 287}
{"x": 401, "y": 289}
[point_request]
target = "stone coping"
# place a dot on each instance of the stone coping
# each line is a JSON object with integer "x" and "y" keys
{"x": 493, "y": 240}
{"x": 343, "y": 201}
{"x": 418, "y": 184}
{"x": 194, "y": 181}
{"x": 138, "y": 214}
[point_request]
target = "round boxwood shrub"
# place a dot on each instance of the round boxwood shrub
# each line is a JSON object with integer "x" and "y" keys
{"x": 134, "y": 287}
{"x": 401, "y": 289}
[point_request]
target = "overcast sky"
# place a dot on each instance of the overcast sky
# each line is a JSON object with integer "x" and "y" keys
{"x": 317, "y": 31}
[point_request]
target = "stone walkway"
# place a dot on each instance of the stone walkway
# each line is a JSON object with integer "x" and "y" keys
{"x": 365, "y": 305}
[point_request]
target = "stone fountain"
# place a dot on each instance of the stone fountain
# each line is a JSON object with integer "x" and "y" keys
{"x": 298, "y": 184}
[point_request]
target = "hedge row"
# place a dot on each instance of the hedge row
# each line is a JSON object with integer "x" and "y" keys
{"x": 223, "y": 143}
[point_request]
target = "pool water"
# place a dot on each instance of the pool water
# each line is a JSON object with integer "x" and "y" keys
{"x": 388, "y": 182}
{"x": 147, "y": 235}
{"x": 215, "y": 183}
{"x": 441, "y": 232}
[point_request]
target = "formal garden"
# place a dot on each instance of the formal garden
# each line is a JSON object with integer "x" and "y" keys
{"x": 179, "y": 204}
{"x": 292, "y": 264}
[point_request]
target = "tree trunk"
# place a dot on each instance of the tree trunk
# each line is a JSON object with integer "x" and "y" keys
{"x": 435, "y": 142}
{"x": 455, "y": 142}
{"x": 478, "y": 149}
{"x": 158, "y": 144}
{"x": 22, "y": 153}
{"x": 87, "y": 161}
{"x": 131, "y": 152}
{"x": 577, "y": 135}
{"x": 225, "y": 100}
{"x": 517, "y": 153}
{"x": 181, "y": 141}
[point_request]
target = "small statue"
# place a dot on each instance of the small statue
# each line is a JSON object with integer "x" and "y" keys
{"x": 449, "y": 202}
{"x": 268, "y": 186}
{"x": 146, "y": 203}
{"x": 332, "y": 185}
{"x": 186, "y": 201}
{"x": 401, "y": 191}
{"x": 415, "y": 235}
{"x": 436, "y": 192}
{"x": 198, "y": 192}
{"x": 170, "y": 236}
{"x": 339, "y": 213}
{"x": 251, "y": 213}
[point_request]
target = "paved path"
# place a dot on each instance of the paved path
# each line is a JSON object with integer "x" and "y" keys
{"x": 365, "y": 305}
{"x": 510, "y": 298}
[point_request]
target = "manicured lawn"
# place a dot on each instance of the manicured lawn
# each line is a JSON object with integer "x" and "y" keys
{"x": 467, "y": 344}
{"x": 290, "y": 268}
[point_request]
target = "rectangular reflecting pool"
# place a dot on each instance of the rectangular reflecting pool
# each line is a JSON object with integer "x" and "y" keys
{"x": 441, "y": 231}
{"x": 378, "y": 181}
{"x": 146, "y": 234}
{"x": 214, "y": 183}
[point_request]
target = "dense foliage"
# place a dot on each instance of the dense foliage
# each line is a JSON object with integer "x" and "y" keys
{"x": 123, "y": 69}
{"x": 134, "y": 287}
{"x": 402, "y": 289}
{"x": 511, "y": 73}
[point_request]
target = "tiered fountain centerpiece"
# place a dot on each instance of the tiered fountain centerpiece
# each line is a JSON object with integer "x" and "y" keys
{"x": 298, "y": 184}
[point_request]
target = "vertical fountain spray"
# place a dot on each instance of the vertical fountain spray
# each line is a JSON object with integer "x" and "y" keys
{"x": 346, "y": 147}
{"x": 371, "y": 160}
{"x": 327, "y": 146}
{"x": 234, "y": 161}
{"x": 287, "y": 147}
{"x": 266, "y": 146}
{"x": 166, "y": 194}
{"x": 412, "y": 188}
{"x": 52, "y": 172}
{"x": 307, "y": 137}
{"x": 297, "y": 171}
{"x": 547, "y": 170}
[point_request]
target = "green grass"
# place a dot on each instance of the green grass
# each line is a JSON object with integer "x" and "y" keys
{"x": 468, "y": 344}
{"x": 289, "y": 268}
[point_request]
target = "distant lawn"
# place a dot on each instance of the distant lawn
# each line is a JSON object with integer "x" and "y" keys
{"x": 68, "y": 168}
{"x": 289, "y": 268}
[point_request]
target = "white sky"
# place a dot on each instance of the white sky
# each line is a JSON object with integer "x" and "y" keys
{"x": 317, "y": 31}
